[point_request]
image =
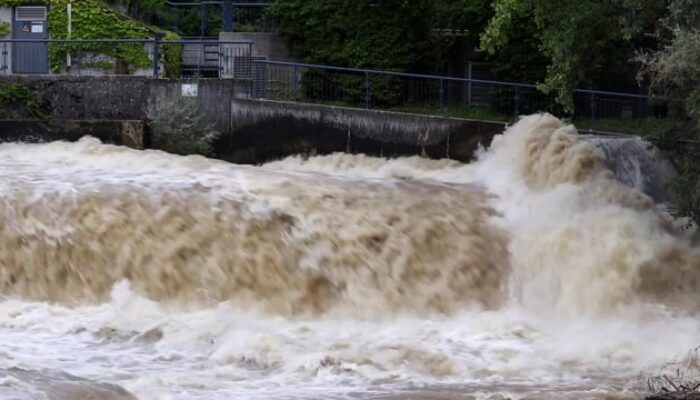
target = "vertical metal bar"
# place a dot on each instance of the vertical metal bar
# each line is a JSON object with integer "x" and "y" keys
{"x": 593, "y": 107}
{"x": 80, "y": 58}
{"x": 516, "y": 98}
{"x": 201, "y": 58}
{"x": 295, "y": 89}
{"x": 202, "y": 19}
{"x": 5, "y": 67}
{"x": 221, "y": 60}
{"x": 259, "y": 84}
{"x": 227, "y": 16}
{"x": 442, "y": 96}
{"x": 469, "y": 86}
{"x": 368, "y": 91}
{"x": 156, "y": 57}
{"x": 250, "y": 59}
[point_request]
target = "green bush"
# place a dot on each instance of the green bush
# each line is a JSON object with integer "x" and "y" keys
{"x": 4, "y": 28}
{"x": 18, "y": 101}
{"x": 183, "y": 126}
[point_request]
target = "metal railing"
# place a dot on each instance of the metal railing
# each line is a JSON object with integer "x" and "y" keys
{"x": 433, "y": 94}
{"x": 236, "y": 16}
{"x": 149, "y": 57}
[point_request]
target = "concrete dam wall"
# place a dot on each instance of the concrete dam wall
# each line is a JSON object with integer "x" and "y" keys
{"x": 252, "y": 131}
{"x": 264, "y": 130}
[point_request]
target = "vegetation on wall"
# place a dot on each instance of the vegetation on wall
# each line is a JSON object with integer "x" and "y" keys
{"x": 18, "y": 101}
{"x": 13, "y": 3}
{"x": 4, "y": 28}
{"x": 183, "y": 126}
{"x": 356, "y": 33}
{"x": 93, "y": 20}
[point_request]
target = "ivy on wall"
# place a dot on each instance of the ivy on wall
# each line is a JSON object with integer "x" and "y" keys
{"x": 93, "y": 20}
{"x": 18, "y": 101}
{"x": 12, "y": 3}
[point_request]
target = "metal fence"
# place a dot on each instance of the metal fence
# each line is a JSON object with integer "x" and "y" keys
{"x": 433, "y": 94}
{"x": 222, "y": 16}
{"x": 149, "y": 57}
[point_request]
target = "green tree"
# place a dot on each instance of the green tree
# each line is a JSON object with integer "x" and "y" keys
{"x": 674, "y": 75}
{"x": 385, "y": 34}
{"x": 586, "y": 43}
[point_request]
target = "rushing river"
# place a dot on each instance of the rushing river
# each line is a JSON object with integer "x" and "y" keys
{"x": 531, "y": 273}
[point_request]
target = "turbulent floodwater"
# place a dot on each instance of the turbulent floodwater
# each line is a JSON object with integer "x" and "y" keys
{"x": 531, "y": 273}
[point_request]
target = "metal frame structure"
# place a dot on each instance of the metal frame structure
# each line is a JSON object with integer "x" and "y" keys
{"x": 281, "y": 79}
{"x": 228, "y": 11}
{"x": 225, "y": 53}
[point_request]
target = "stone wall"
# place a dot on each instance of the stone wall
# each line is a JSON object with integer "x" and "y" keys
{"x": 127, "y": 97}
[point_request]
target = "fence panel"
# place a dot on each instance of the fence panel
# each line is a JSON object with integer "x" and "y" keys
{"x": 460, "y": 97}
{"x": 149, "y": 57}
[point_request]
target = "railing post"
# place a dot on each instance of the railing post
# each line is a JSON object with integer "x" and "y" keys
{"x": 227, "y": 16}
{"x": 593, "y": 107}
{"x": 80, "y": 58}
{"x": 368, "y": 91}
{"x": 258, "y": 83}
{"x": 156, "y": 57}
{"x": 469, "y": 86}
{"x": 5, "y": 67}
{"x": 516, "y": 99}
{"x": 202, "y": 19}
{"x": 442, "y": 96}
{"x": 295, "y": 89}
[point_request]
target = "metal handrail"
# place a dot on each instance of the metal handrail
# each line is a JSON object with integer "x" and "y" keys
{"x": 516, "y": 96}
{"x": 185, "y": 41}
{"x": 438, "y": 77}
{"x": 216, "y": 2}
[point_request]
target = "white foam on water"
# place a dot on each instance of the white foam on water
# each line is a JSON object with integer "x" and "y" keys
{"x": 531, "y": 272}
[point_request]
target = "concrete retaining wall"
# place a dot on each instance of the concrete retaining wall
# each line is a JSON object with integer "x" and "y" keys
{"x": 264, "y": 130}
{"x": 128, "y": 97}
{"x": 254, "y": 131}
{"x": 128, "y": 133}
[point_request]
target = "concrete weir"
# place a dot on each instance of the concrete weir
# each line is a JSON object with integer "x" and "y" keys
{"x": 262, "y": 130}
{"x": 122, "y": 132}
{"x": 252, "y": 131}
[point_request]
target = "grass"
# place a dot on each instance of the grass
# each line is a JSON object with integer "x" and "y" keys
{"x": 641, "y": 127}
{"x": 467, "y": 112}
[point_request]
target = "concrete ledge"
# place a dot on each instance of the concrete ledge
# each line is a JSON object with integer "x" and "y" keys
{"x": 122, "y": 132}
{"x": 263, "y": 130}
{"x": 125, "y": 97}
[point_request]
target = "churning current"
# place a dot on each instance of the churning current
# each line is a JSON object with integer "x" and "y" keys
{"x": 532, "y": 272}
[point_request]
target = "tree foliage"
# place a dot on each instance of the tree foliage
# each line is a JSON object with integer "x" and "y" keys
{"x": 674, "y": 75}
{"x": 386, "y": 34}
{"x": 586, "y": 43}
{"x": 183, "y": 126}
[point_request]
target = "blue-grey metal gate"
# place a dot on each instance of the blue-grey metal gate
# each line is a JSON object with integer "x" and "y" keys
{"x": 30, "y": 58}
